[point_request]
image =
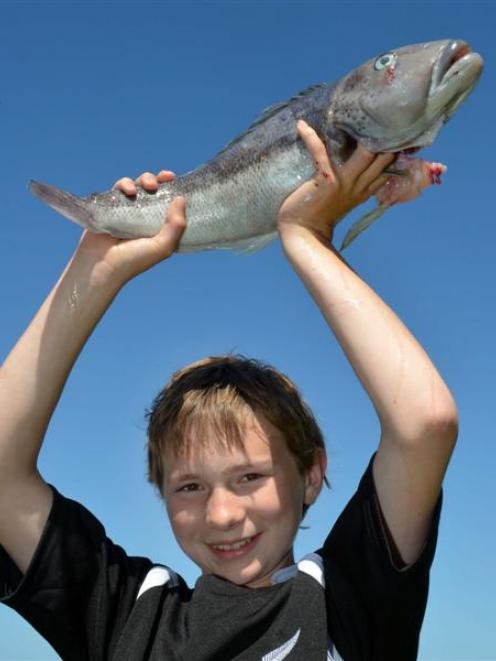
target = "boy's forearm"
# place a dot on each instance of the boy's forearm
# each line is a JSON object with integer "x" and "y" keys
{"x": 34, "y": 374}
{"x": 403, "y": 384}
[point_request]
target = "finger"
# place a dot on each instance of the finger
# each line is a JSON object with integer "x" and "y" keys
{"x": 148, "y": 181}
{"x": 375, "y": 170}
{"x": 377, "y": 184}
{"x": 360, "y": 160}
{"x": 126, "y": 185}
{"x": 165, "y": 175}
{"x": 317, "y": 150}
{"x": 379, "y": 164}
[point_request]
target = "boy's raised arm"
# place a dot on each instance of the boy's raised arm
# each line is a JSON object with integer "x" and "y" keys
{"x": 416, "y": 410}
{"x": 34, "y": 373}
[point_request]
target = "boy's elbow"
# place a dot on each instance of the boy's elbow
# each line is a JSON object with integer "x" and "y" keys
{"x": 439, "y": 424}
{"x": 442, "y": 425}
{"x": 434, "y": 423}
{"x": 443, "y": 416}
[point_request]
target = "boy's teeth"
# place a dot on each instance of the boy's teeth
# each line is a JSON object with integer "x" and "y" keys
{"x": 232, "y": 547}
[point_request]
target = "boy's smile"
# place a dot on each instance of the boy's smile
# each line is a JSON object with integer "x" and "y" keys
{"x": 236, "y": 511}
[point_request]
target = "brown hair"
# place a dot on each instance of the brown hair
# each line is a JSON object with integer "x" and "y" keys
{"x": 217, "y": 393}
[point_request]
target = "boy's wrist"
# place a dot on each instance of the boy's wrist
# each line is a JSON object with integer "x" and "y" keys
{"x": 94, "y": 275}
{"x": 295, "y": 237}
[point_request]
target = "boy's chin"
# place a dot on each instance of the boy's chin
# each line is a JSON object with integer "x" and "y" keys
{"x": 254, "y": 575}
{"x": 242, "y": 579}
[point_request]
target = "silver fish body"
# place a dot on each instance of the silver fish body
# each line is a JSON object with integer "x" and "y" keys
{"x": 393, "y": 102}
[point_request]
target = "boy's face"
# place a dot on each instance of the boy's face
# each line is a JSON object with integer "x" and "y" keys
{"x": 235, "y": 512}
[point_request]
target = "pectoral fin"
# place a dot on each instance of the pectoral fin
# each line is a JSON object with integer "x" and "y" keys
{"x": 362, "y": 224}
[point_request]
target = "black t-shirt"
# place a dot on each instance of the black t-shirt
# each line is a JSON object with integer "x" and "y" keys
{"x": 348, "y": 601}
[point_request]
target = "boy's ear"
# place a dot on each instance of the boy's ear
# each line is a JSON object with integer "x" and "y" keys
{"x": 314, "y": 477}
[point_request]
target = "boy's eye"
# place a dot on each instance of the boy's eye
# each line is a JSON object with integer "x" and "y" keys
{"x": 249, "y": 477}
{"x": 189, "y": 488}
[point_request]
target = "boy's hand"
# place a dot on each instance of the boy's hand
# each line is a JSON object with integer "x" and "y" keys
{"x": 333, "y": 191}
{"x": 125, "y": 258}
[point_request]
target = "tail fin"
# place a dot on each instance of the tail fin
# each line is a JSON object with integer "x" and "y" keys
{"x": 72, "y": 207}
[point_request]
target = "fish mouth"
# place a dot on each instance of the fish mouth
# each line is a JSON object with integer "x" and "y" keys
{"x": 454, "y": 75}
{"x": 457, "y": 60}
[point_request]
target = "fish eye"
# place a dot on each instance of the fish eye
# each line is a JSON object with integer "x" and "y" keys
{"x": 385, "y": 60}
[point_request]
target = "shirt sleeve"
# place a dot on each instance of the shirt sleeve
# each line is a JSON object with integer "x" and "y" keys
{"x": 79, "y": 588}
{"x": 375, "y": 607}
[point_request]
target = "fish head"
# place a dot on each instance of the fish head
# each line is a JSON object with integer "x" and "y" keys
{"x": 399, "y": 100}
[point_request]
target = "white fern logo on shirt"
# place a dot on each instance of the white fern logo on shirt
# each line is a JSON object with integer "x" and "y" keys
{"x": 282, "y": 652}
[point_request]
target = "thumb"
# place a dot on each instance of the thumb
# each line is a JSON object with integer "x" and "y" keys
{"x": 173, "y": 228}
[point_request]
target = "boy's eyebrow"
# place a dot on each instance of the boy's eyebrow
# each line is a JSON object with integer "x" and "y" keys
{"x": 258, "y": 465}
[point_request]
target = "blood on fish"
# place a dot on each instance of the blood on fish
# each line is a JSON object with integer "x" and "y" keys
{"x": 436, "y": 171}
{"x": 390, "y": 74}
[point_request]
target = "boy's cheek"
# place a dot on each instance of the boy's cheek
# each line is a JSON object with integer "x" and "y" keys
{"x": 183, "y": 520}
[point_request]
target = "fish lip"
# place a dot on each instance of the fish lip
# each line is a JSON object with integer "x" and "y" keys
{"x": 454, "y": 76}
{"x": 454, "y": 51}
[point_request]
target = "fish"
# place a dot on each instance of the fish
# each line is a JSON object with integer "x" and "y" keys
{"x": 396, "y": 101}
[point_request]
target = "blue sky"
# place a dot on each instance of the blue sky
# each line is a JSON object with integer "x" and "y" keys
{"x": 91, "y": 92}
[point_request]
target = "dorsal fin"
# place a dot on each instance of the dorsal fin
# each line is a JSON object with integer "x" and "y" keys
{"x": 270, "y": 112}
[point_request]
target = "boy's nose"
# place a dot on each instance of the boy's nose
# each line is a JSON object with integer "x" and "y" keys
{"x": 224, "y": 510}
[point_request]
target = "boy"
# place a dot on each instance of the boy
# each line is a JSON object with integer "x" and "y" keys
{"x": 238, "y": 458}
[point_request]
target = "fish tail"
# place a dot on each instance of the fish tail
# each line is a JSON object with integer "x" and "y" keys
{"x": 71, "y": 206}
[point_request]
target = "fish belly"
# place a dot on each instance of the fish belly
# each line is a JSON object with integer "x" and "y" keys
{"x": 140, "y": 218}
{"x": 244, "y": 207}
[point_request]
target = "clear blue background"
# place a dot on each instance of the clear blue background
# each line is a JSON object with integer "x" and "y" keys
{"x": 93, "y": 92}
